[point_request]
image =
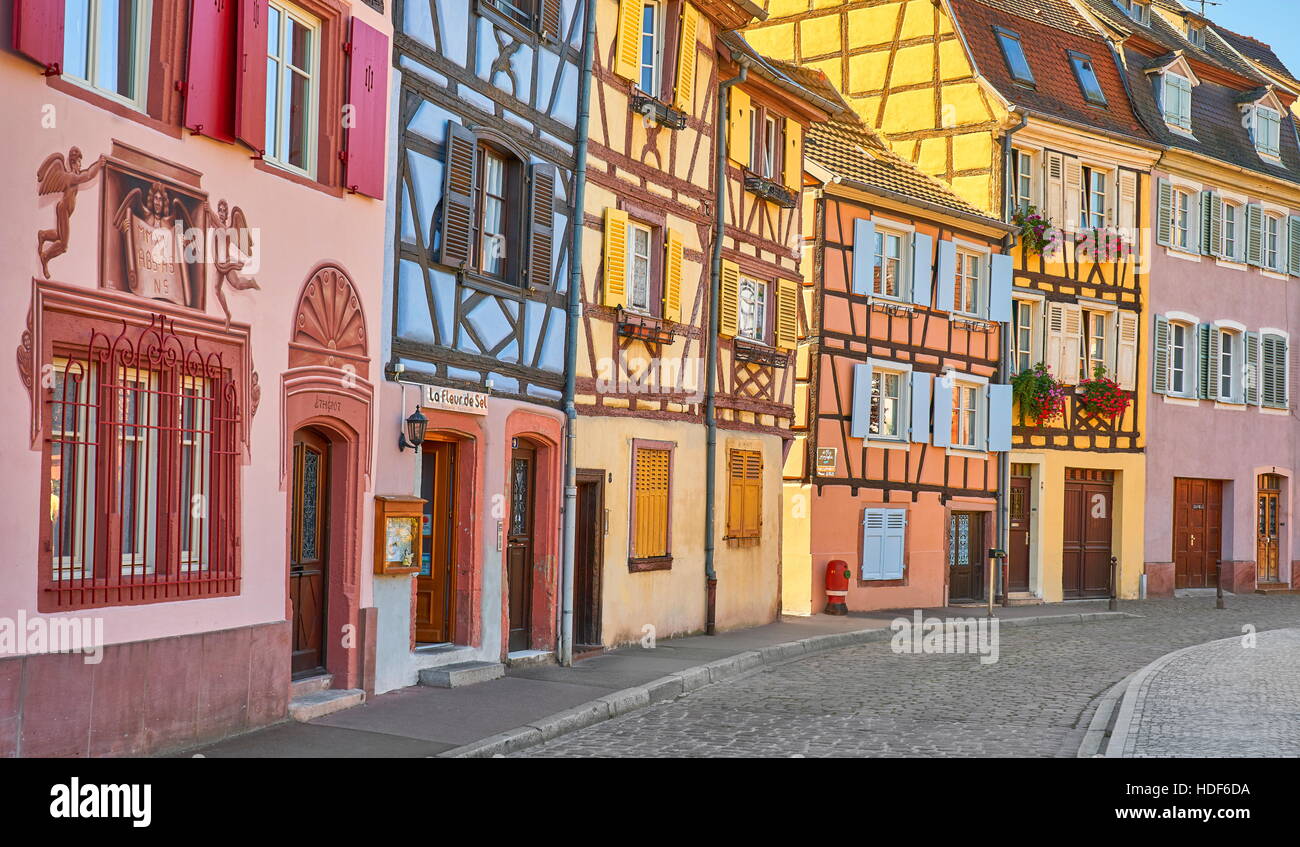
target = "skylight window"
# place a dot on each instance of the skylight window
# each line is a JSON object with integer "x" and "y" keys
{"x": 1014, "y": 53}
{"x": 1087, "y": 76}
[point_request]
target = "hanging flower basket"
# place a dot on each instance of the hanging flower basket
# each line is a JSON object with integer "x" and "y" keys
{"x": 1101, "y": 396}
{"x": 1039, "y": 395}
{"x": 1035, "y": 228}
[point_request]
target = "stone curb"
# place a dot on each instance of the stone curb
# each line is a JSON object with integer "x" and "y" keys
{"x": 692, "y": 679}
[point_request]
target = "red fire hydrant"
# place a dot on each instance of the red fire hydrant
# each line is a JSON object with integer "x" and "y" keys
{"x": 837, "y": 587}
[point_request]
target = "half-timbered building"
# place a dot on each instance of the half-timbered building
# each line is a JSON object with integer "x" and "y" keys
{"x": 485, "y": 103}
{"x": 901, "y": 410}
{"x": 652, "y": 213}
{"x": 187, "y": 443}
{"x": 1015, "y": 106}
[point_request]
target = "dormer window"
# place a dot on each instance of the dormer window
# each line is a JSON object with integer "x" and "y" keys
{"x": 1138, "y": 10}
{"x": 1087, "y": 77}
{"x": 1176, "y": 101}
{"x": 1267, "y": 131}
{"x": 1014, "y": 54}
{"x": 1196, "y": 35}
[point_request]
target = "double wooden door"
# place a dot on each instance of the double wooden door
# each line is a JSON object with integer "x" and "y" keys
{"x": 435, "y": 585}
{"x": 1268, "y": 533}
{"x": 965, "y": 556}
{"x": 1198, "y": 532}
{"x": 519, "y": 545}
{"x": 309, "y": 551}
{"x": 1086, "y": 546}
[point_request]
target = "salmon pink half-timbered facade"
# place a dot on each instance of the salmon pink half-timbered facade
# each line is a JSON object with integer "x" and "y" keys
{"x": 187, "y": 450}
{"x": 901, "y": 409}
{"x": 653, "y": 204}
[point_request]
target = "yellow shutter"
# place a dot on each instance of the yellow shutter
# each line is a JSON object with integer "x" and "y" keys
{"x": 787, "y": 314}
{"x": 650, "y": 496}
{"x": 686, "y": 59}
{"x": 729, "y": 301}
{"x": 627, "y": 55}
{"x": 674, "y": 251}
{"x": 738, "y": 118}
{"x": 744, "y": 494}
{"x": 793, "y": 155}
{"x": 615, "y": 257}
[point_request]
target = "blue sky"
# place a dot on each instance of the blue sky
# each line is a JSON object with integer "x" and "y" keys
{"x": 1273, "y": 22}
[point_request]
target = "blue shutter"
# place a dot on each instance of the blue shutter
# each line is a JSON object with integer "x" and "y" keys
{"x": 923, "y": 268}
{"x": 999, "y": 418}
{"x": 864, "y": 255}
{"x": 1000, "y": 288}
{"x": 861, "y": 423}
{"x": 891, "y": 566}
{"x": 920, "y": 407}
{"x": 947, "y": 275}
{"x": 873, "y": 543}
{"x": 942, "y": 412}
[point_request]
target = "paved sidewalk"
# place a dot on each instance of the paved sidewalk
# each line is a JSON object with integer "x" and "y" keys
{"x": 1216, "y": 699}
{"x": 419, "y": 721}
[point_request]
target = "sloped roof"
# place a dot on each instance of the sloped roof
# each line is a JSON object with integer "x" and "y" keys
{"x": 778, "y": 73}
{"x": 1255, "y": 50}
{"x": 1216, "y": 50}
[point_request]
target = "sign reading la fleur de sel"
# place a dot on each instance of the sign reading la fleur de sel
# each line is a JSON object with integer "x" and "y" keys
{"x": 455, "y": 400}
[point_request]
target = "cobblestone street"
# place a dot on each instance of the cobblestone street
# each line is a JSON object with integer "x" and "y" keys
{"x": 867, "y": 701}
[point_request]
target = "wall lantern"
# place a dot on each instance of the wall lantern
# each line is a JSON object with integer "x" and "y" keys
{"x": 413, "y": 435}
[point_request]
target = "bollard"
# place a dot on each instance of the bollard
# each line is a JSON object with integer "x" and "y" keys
{"x": 1114, "y": 584}
{"x": 1218, "y": 589}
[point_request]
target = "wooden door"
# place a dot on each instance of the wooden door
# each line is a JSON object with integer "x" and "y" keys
{"x": 309, "y": 551}
{"x": 1268, "y": 521}
{"x": 1018, "y": 555}
{"x": 519, "y": 546}
{"x": 1086, "y": 550}
{"x": 589, "y": 541}
{"x": 1198, "y": 522}
{"x": 965, "y": 556}
{"x": 435, "y": 585}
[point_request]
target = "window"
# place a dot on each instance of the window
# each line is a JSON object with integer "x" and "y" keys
{"x": 1231, "y": 243}
{"x": 1023, "y": 338}
{"x": 744, "y": 494}
{"x": 752, "y": 310}
{"x": 1179, "y": 380}
{"x": 650, "y": 46}
{"x": 520, "y": 11}
{"x": 1227, "y": 360}
{"x": 106, "y": 46}
{"x": 1196, "y": 35}
{"x": 651, "y": 481}
{"x": 292, "y": 80}
{"x": 965, "y": 414}
{"x": 1014, "y": 54}
{"x": 1024, "y": 184}
{"x": 967, "y": 297}
{"x": 1096, "y": 332}
{"x": 492, "y": 212}
{"x": 887, "y": 404}
{"x": 1087, "y": 77}
{"x": 889, "y": 264}
{"x": 884, "y": 535}
{"x": 1182, "y": 222}
{"x": 1267, "y": 131}
{"x": 767, "y": 132}
{"x": 1092, "y": 202}
{"x": 1176, "y": 101}
{"x": 1138, "y": 10}
{"x": 640, "y": 238}
{"x": 1272, "y": 241}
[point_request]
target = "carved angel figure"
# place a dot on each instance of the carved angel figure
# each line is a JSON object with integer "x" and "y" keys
{"x": 159, "y": 256}
{"x": 233, "y": 248}
{"x": 59, "y": 176}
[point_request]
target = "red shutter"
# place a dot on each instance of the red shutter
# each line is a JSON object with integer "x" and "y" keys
{"x": 366, "y": 154}
{"x": 250, "y": 75}
{"x": 38, "y": 32}
{"x": 210, "y": 84}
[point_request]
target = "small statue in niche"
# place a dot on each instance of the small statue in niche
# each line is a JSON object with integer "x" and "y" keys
{"x": 156, "y": 266}
{"x": 59, "y": 176}
{"x": 233, "y": 250}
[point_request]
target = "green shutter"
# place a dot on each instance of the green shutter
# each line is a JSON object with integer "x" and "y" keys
{"x": 1160, "y": 357}
{"x": 1208, "y": 351}
{"x": 1274, "y": 382}
{"x": 1252, "y": 369}
{"x": 1212, "y": 224}
{"x": 1255, "y": 234}
{"x": 1293, "y": 245}
{"x": 1164, "y": 212}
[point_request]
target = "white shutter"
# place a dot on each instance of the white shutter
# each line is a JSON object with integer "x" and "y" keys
{"x": 891, "y": 565}
{"x": 1071, "y": 343}
{"x": 873, "y": 543}
{"x": 1128, "y": 182}
{"x": 1073, "y": 195}
{"x": 1054, "y": 188}
{"x": 1126, "y": 349}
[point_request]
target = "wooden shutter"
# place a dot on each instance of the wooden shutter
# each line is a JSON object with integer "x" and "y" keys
{"x": 1293, "y": 245}
{"x": 650, "y": 502}
{"x": 1255, "y": 234}
{"x": 541, "y": 226}
{"x": 551, "y": 18}
{"x": 787, "y": 314}
{"x": 1211, "y": 224}
{"x": 1252, "y": 381}
{"x": 1000, "y": 288}
{"x": 1127, "y": 190}
{"x": 683, "y": 95}
{"x": 729, "y": 299}
{"x": 884, "y": 532}
{"x": 1208, "y": 349}
{"x": 947, "y": 276}
{"x": 922, "y": 268}
{"x": 942, "y": 412}
{"x": 455, "y": 247}
{"x": 793, "y": 162}
{"x": 38, "y": 32}
{"x": 864, "y": 255}
{"x": 627, "y": 52}
{"x": 674, "y": 252}
{"x": 367, "y": 155}
{"x": 999, "y": 425}
{"x": 210, "y": 80}
{"x": 1274, "y": 384}
{"x": 1072, "y": 346}
{"x": 1073, "y": 195}
{"x": 250, "y": 76}
{"x": 1126, "y": 350}
{"x": 1164, "y": 213}
{"x": 860, "y": 421}
{"x": 615, "y": 288}
{"x": 919, "y": 411}
{"x": 1054, "y": 189}
{"x": 1160, "y": 356}
{"x": 745, "y": 493}
{"x": 739, "y": 148}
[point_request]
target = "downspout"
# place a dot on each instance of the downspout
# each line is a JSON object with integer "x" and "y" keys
{"x": 571, "y": 338}
{"x": 1004, "y": 360}
{"x": 711, "y": 344}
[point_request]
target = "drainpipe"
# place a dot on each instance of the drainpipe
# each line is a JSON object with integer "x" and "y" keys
{"x": 1004, "y": 360}
{"x": 571, "y": 338}
{"x": 711, "y": 344}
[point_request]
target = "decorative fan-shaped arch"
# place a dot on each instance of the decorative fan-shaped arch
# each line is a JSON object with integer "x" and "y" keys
{"x": 329, "y": 325}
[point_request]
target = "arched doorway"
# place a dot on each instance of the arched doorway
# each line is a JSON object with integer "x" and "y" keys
{"x": 309, "y": 551}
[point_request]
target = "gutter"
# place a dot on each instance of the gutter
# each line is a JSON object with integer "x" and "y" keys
{"x": 711, "y": 342}
{"x": 570, "y": 507}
